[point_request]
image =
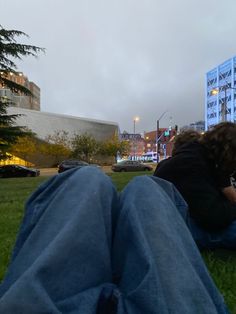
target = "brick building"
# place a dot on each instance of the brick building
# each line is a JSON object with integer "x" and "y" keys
{"x": 137, "y": 144}
{"x": 18, "y": 99}
{"x": 165, "y": 136}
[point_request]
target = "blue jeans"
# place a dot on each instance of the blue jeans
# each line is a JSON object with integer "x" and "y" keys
{"x": 84, "y": 248}
{"x": 225, "y": 238}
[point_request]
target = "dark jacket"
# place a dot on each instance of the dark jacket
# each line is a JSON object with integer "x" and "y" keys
{"x": 200, "y": 183}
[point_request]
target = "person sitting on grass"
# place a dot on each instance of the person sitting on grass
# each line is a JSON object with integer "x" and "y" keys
{"x": 84, "y": 248}
{"x": 201, "y": 168}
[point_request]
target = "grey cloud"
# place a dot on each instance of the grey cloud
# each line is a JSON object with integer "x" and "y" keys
{"x": 114, "y": 60}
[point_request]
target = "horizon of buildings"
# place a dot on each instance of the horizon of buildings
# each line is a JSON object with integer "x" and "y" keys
{"x": 33, "y": 102}
{"x": 219, "y": 106}
{"x": 45, "y": 123}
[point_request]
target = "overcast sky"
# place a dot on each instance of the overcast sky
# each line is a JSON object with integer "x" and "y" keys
{"x": 117, "y": 59}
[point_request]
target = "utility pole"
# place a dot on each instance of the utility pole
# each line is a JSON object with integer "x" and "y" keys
{"x": 224, "y": 109}
{"x": 136, "y": 119}
{"x": 224, "y": 104}
{"x": 157, "y": 134}
{"x": 157, "y": 139}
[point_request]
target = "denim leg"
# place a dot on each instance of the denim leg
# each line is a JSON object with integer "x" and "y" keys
{"x": 156, "y": 263}
{"x": 225, "y": 238}
{"x": 204, "y": 239}
{"x": 174, "y": 195}
{"x": 62, "y": 256}
{"x": 62, "y": 260}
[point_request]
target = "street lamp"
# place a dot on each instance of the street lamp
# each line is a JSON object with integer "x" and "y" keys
{"x": 136, "y": 119}
{"x": 216, "y": 91}
{"x": 157, "y": 133}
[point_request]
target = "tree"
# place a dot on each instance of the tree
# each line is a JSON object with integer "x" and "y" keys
{"x": 24, "y": 147}
{"x": 9, "y": 133}
{"x": 57, "y": 145}
{"x": 115, "y": 147}
{"x": 84, "y": 146}
{"x": 10, "y": 50}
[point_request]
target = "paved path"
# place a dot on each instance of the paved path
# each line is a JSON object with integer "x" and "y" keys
{"x": 52, "y": 171}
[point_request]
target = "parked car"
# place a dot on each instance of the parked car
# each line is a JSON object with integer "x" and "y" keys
{"x": 12, "y": 171}
{"x": 72, "y": 163}
{"x": 131, "y": 165}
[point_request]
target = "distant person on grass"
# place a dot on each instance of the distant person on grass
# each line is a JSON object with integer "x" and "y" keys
{"x": 83, "y": 248}
{"x": 201, "y": 168}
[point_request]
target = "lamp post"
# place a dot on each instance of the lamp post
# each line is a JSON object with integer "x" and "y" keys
{"x": 216, "y": 91}
{"x": 136, "y": 119}
{"x": 157, "y": 133}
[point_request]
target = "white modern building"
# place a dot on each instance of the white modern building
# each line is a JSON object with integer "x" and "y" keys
{"x": 45, "y": 123}
{"x": 220, "y": 94}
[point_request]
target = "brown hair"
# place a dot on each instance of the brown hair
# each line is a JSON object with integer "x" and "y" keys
{"x": 220, "y": 143}
{"x": 185, "y": 137}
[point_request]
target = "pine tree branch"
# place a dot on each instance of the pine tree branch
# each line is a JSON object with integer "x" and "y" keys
{"x": 11, "y": 49}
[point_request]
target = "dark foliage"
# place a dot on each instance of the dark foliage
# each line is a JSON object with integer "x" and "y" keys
{"x": 11, "y": 50}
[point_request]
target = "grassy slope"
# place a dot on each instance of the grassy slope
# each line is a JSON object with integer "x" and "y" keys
{"x": 14, "y": 192}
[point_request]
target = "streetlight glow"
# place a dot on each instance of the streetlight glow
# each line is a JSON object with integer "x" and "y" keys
{"x": 215, "y": 91}
{"x": 136, "y": 119}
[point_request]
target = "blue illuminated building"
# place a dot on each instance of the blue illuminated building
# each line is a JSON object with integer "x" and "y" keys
{"x": 220, "y": 94}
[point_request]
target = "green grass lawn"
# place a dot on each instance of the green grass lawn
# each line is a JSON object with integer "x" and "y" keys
{"x": 14, "y": 193}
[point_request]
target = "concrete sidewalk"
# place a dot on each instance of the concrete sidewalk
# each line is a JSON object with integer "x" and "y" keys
{"x": 53, "y": 171}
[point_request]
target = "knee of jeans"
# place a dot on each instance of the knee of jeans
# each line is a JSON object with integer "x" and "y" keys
{"x": 144, "y": 188}
{"x": 92, "y": 170}
{"x": 139, "y": 186}
{"x": 167, "y": 186}
{"x": 90, "y": 173}
{"x": 92, "y": 177}
{"x": 84, "y": 180}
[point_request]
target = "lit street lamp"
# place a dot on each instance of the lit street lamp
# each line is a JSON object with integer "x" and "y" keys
{"x": 136, "y": 119}
{"x": 157, "y": 134}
